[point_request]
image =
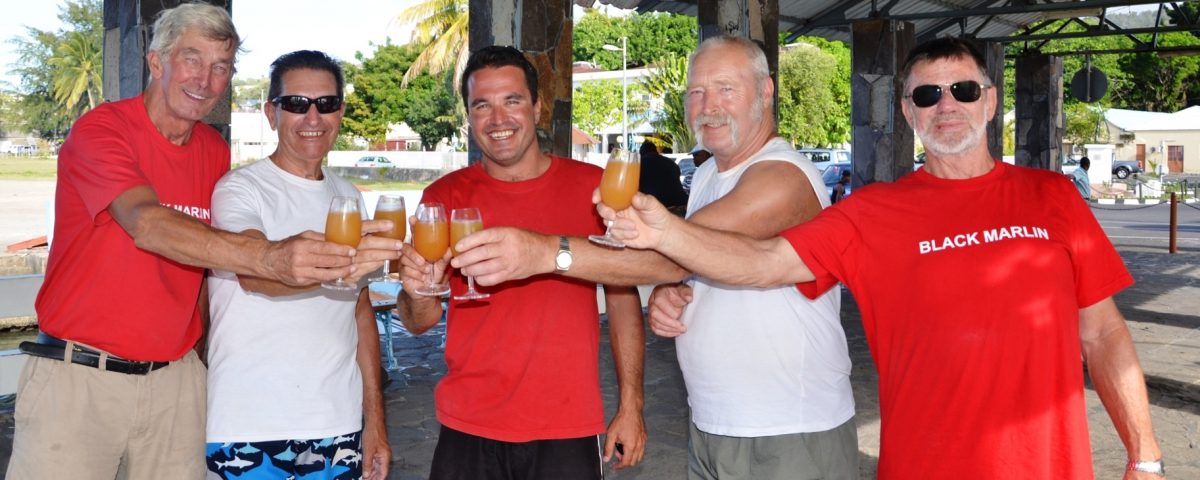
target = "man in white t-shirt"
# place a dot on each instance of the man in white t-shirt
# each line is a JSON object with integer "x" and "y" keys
{"x": 767, "y": 371}
{"x": 294, "y": 377}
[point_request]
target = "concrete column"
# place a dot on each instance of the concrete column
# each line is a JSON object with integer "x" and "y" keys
{"x": 993, "y": 55}
{"x": 127, "y": 30}
{"x": 547, "y": 44}
{"x": 757, "y": 20}
{"x": 1039, "y": 111}
{"x": 882, "y": 140}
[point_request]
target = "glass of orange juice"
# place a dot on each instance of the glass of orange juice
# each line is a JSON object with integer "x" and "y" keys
{"x": 463, "y": 222}
{"x": 391, "y": 207}
{"x": 431, "y": 239}
{"x": 617, "y": 187}
{"x": 343, "y": 225}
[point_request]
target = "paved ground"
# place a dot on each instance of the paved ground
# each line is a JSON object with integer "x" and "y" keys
{"x": 25, "y": 207}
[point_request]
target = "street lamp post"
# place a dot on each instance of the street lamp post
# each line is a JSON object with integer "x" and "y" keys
{"x": 624, "y": 94}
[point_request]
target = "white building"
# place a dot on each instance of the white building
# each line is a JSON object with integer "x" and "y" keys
{"x": 1168, "y": 141}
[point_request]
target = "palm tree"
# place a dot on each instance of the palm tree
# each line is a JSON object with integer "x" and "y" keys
{"x": 77, "y": 63}
{"x": 441, "y": 25}
{"x": 669, "y": 82}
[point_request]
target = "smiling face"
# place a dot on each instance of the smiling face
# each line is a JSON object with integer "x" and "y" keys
{"x": 725, "y": 102}
{"x": 190, "y": 80}
{"x": 305, "y": 139}
{"x": 502, "y": 116}
{"x": 949, "y": 127}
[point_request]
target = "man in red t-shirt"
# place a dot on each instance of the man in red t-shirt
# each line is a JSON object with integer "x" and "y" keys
{"x": 977, "y": 298}
{"x": 521, "y": 397}
{"x": 122, "y": 298}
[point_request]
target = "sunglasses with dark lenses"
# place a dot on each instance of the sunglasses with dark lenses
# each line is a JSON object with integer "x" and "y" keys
{"x": 966, "y": 91}
{"x": 299, "y": 104}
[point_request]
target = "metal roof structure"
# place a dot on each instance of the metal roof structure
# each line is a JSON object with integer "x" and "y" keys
{"x": 1005, "y": 21}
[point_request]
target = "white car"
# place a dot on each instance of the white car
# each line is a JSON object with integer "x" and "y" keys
{"x": 374, "y": 161}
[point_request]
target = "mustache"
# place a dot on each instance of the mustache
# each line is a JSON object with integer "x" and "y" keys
{"x": 711, "y": 118}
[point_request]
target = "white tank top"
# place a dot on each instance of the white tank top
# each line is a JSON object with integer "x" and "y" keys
{"x": 762, "y": 362}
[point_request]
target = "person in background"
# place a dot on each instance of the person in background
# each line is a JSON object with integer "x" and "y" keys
{"x": 1079, "y": 177}
{"x": 114, "y": 388}
{"x": 521, "y": 397}
{"x": 660, "y": 177}
{"x": 839, "y": 190}
{"x": 978, "y": 299}
{"x": 293, "y": 368}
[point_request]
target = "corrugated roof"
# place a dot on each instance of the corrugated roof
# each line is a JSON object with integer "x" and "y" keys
{"x": 1138, "y": 121}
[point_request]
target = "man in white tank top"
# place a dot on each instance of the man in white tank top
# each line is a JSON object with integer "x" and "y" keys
{"x": 767, "y": 371}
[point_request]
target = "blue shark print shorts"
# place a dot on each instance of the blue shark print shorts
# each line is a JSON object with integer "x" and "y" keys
{"x": 334, "y": 458}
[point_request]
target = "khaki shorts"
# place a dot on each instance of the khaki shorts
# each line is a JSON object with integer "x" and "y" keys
{"x": 828, "y": 455}
{"x": 79, "y": 422}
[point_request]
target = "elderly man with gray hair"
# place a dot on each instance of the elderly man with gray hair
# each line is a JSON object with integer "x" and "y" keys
{"x": 114, "y": 388}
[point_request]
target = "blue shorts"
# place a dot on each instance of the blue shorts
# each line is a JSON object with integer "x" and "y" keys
{"x": 334, "y": 458}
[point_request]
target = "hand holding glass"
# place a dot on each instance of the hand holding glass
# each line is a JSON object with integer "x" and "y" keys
{"x": 617, "y": 187}
{"x": 343, "y": 226}
{"x": 431, "y": 239}
{"x": 391, "y": 207}
{"x": 463, "y": 222}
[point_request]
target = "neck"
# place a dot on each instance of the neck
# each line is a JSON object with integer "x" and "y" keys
{"x": 175, "y": 130}
{"x": 307, "y": 170}
{"x": 970, "y": 164}
{"x": 526, "y": 169}
{"x": 747, "y": 149}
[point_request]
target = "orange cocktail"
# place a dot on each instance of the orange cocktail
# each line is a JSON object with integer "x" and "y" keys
{"x": 619, "y": 183}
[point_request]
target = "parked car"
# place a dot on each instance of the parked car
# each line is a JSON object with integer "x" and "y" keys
{"x": 918, "y": 161}
{"x": 822, "y": 157}
{"x": 15, "y": 149}
{"x": 374, "y": 161}
{"x": 1124, "y": 168}
{"x": 832, "y": 174}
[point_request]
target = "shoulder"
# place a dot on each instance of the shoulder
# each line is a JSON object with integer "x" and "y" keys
{"x": 244, "y": 175}
{"x": 571, "y": 166}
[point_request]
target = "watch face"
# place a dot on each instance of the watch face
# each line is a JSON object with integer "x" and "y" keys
{"x": 562, "y": 261}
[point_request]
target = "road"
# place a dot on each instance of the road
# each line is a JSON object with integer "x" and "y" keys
{"x": 1147, "y": 227}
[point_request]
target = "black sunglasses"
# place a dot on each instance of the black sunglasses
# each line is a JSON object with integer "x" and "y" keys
{"x": 299, "y": 104}
{"x": 966, "y": 91}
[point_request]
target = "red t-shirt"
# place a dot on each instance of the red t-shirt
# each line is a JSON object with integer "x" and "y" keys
{"x": 523, "y": 364}
{"x": 100, "y": 289}
{"x": 970, "y": 293}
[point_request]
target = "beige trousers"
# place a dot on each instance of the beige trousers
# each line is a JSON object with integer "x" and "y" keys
{"x": 79, "y": 422}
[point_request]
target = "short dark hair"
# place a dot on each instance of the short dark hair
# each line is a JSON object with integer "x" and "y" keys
{"x": 942, "y": 48}
{"x": 1085, "y": 163}
{"x": 497, "y": 56}
{"x": 304, "y": 59}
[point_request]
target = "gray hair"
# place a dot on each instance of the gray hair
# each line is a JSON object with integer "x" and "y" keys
{"x": 212, "y": 21}
{"x": 758, "y": 59}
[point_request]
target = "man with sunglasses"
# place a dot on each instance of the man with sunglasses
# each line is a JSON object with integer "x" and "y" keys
{"x": 293, "y": 368}
{"x": 114, "y": 387}
{"x": 978, "y": 297}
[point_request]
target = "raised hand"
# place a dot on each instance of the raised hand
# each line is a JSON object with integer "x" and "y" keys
{"x": 666, "y": 306}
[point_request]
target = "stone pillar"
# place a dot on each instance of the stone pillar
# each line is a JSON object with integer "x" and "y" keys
{"x": 127, "y": 30}
{"x": 1039, "y": 111}
{"x": 993, "y": 56}
{"x": 547, "y": 44}
{"x": 757, "y": 20}
{"x": 882, "y": 140}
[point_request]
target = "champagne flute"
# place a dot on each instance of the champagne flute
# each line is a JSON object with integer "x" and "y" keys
{"x": 343, "y": 225}
{"x": 617, "y": 187}
{"x": 463, "y": 222}
{"x": 391, "y": 207}
{"x": 431, "y": 239}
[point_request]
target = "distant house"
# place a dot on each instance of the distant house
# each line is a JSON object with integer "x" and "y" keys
{"x": 250, "y": 137}
{"x": 1168, "y": 141}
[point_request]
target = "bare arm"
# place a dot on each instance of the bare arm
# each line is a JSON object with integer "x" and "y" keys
{"x": 627, "y": 336}
{"x": 174, "y": 235}
{"x": 368, "y": 257}
{"x": 723, "y": 256}
{"x": 1117, "y": 375}
{"x": 376, "y": 452}
{"x": 419, "y": 313}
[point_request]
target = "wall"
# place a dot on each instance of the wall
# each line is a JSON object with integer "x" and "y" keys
{"x": 448, "y": 161}
{"x": 1190, "y": 140}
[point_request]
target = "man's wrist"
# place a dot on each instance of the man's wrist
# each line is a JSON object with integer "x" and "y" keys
{"x": 1147, "y": 466}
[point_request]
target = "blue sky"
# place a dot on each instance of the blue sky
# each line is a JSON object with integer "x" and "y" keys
{"x": 339, "y": 28}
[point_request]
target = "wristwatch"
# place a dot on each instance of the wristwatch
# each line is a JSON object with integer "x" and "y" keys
{"x": 562, "y": 260}
{"x": 1155, "y": 467}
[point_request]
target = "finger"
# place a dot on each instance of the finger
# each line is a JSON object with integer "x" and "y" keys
{"x": 376, "y": 226}
{"x": 381, "y": 243}
{"x": 610, "y": 443}
{"x": 596, "y": 196}
{"x": 482, "y": 237}
{"x": 311, "y": 235}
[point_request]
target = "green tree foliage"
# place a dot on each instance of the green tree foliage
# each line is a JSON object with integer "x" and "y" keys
{"x": 597, "y": 104}
{"x": 669, "y": 83}
{"x": 814, "y": 94}
{"x": 650, "y": 36}
{"x": 44, "y": 70}
{"x": 441, "y": 25}
{"x": 250, "y": 93}
{"x": 378, "y": 100}
{"x": 1085, "y": 123}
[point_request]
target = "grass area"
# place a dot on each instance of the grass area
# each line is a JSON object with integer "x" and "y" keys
{"x": 43, "y": 167}
{"x": 388, "y": 186}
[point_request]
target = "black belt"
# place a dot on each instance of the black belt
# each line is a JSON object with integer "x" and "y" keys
{"x": 50, "y": 347}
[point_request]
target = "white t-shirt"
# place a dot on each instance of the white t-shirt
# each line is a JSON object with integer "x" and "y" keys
{"x": 279, "y": 368}
{"x": 762, "y": 362}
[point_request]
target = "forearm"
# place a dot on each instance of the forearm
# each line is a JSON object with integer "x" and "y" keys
{"x": 627, "y": 266}
{"x": 418, "y": 313}
{"x": 368, "y": 360}
{"x": 1118, "y": 379}
{"x": 183, "y": 239}
{"x": 627, "y": 337}
{"x": 732, "y": 258}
